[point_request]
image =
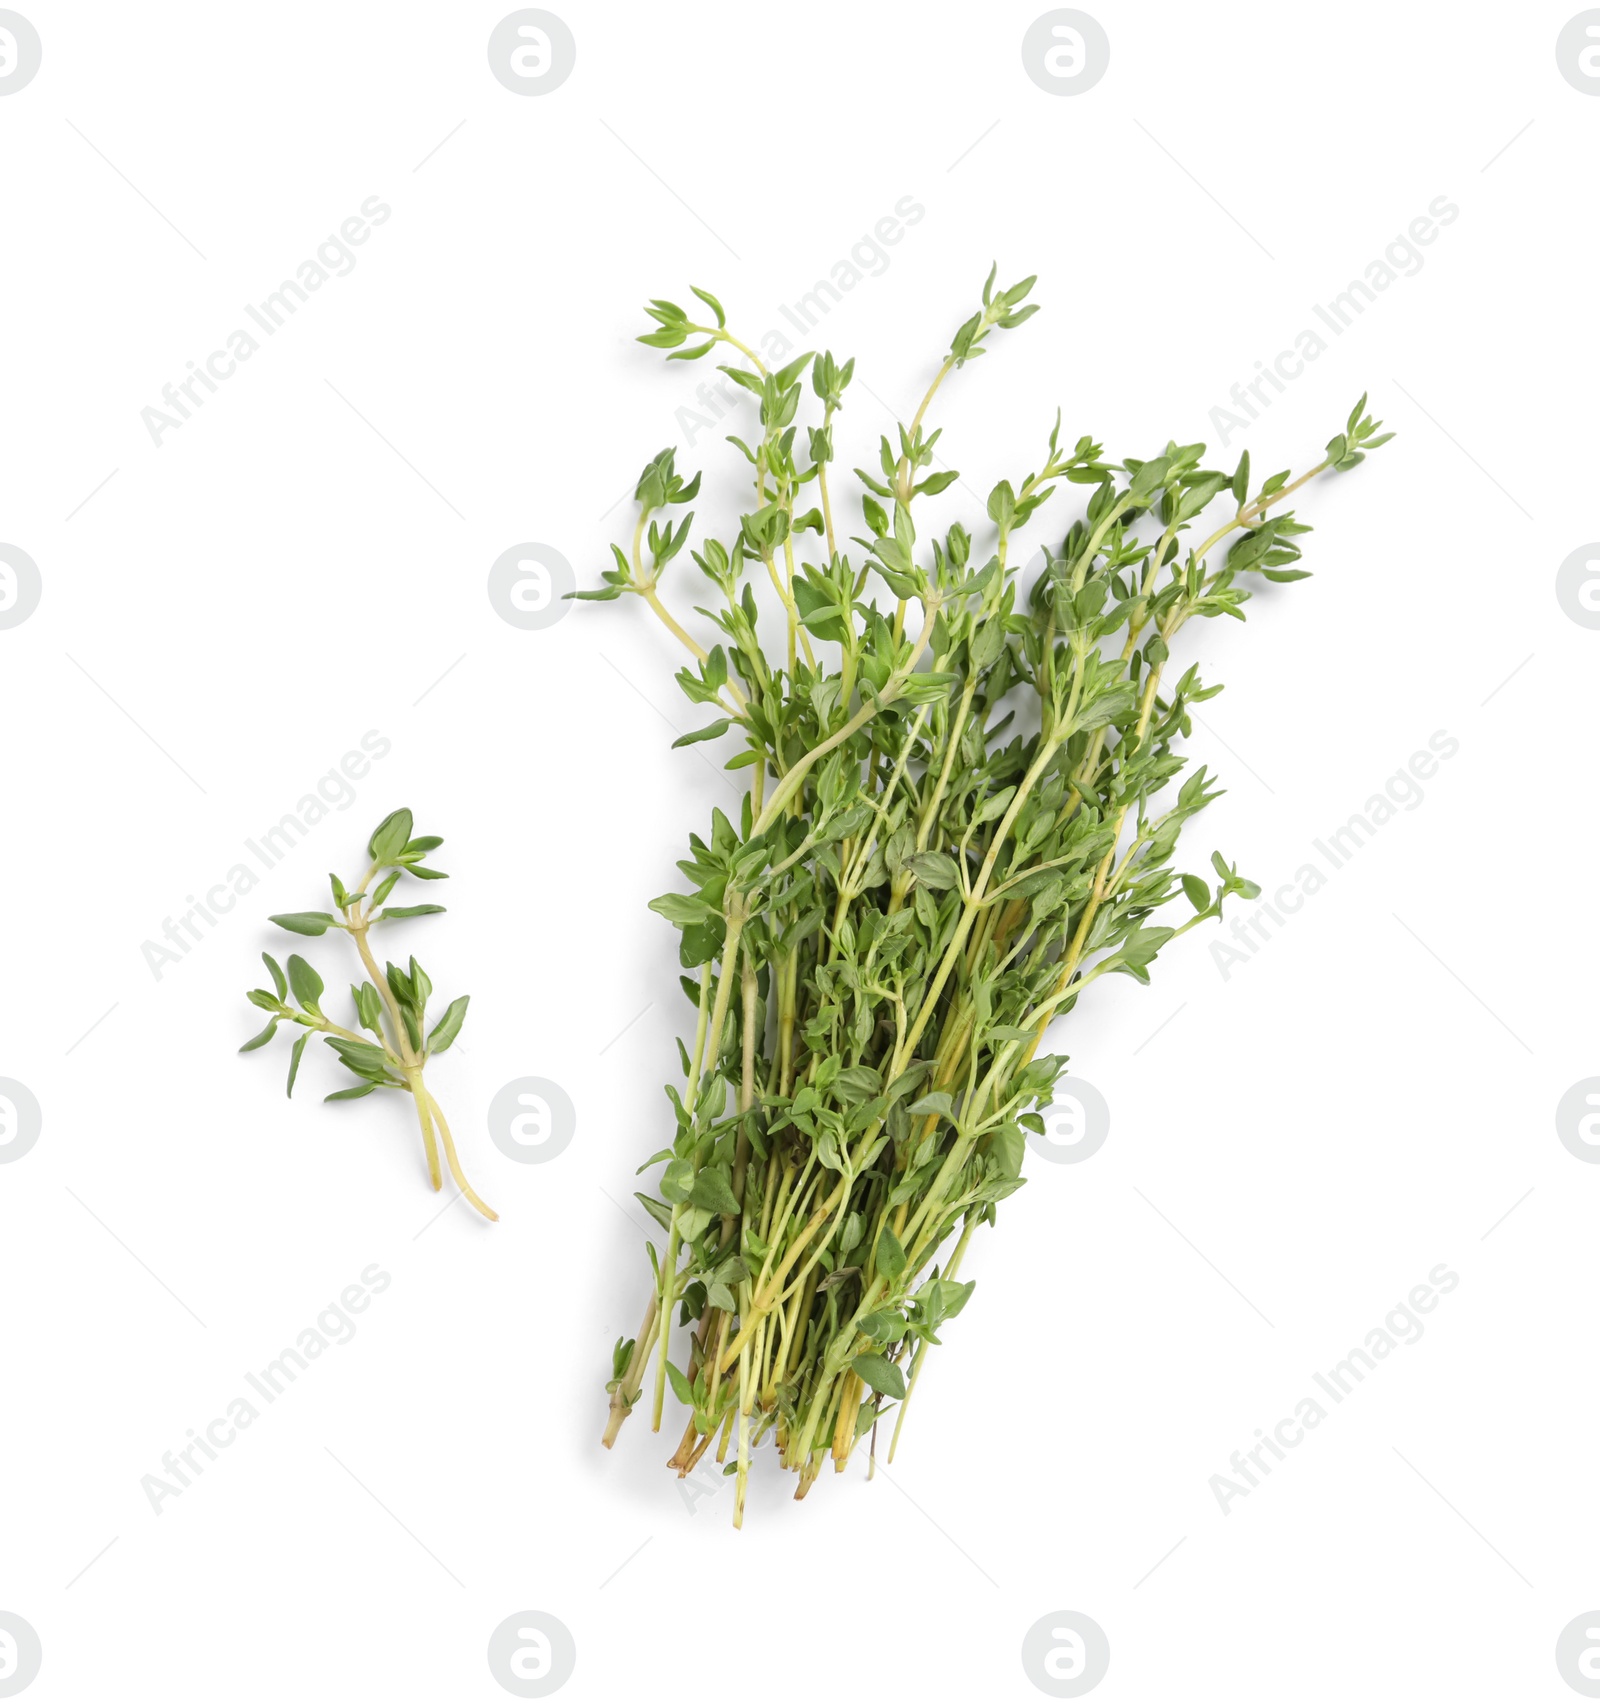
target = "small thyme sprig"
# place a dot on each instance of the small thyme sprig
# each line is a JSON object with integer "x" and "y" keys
{"x": 391, "y": 1005}
{"x": 956, "y": 822}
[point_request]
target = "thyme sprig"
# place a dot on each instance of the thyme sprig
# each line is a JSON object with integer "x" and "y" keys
{"x": 393, "y": 1042}
{"x": 962, "y": 812}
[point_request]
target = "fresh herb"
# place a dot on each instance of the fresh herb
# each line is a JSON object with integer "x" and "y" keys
{"x": 391, "y": 1006}
{"x": 962, "y": 811}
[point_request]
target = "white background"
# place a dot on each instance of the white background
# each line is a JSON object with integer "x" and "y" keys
{"x": 1360, "y": 1101}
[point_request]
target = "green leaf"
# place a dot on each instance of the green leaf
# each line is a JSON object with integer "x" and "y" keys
{"x": 294, "y": 1060}
{"x": 680, "y": 1384}
{"x": 304, "y": 924}
{"x": 883, "y": 1327}
{"x": 262, "y": 1037}
{"x": 279, "y": 984}
{"x": 1149, "y": 478}
{"x": 880, "y": 1375}
{"x": 709, "y": 733}
{"x": 928, "y": 687}
{"x": 1006, "y": 1148}
{"x": 677, "y": 1180}
{"x": 369, "y": 1007}
{"x": 681, "y": 910}
{"x": 390, "y": 838}
{"x": 306, "y": 983}
{"x": 656, "y": 1208}
{"x": 1002, "y": 506}
{"x": 946, "y": 1299}
{"x": 399, "y": 984}
{"x": 713, "y": 1191}
{"x": 350, "y": 1093}
{"x": 891, "y": 1254}
{"x": 935, "y": 871}
{"x": 711, "y": 303}
{"x": 411, "y": 912}
{"x": 444, "y": 1033}
{"x": 371, "y": 1061}
{"x": 993, "y": 808}
{"x": 857, "y": 1085}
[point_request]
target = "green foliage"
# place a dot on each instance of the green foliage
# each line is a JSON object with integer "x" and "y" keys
{"x": 390, "y": 1005}
{"x": 962, "y": 809}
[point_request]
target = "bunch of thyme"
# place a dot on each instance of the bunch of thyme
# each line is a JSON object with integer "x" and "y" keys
{"x": 391, "y": 1005}
{"x": 961, "y": 813}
